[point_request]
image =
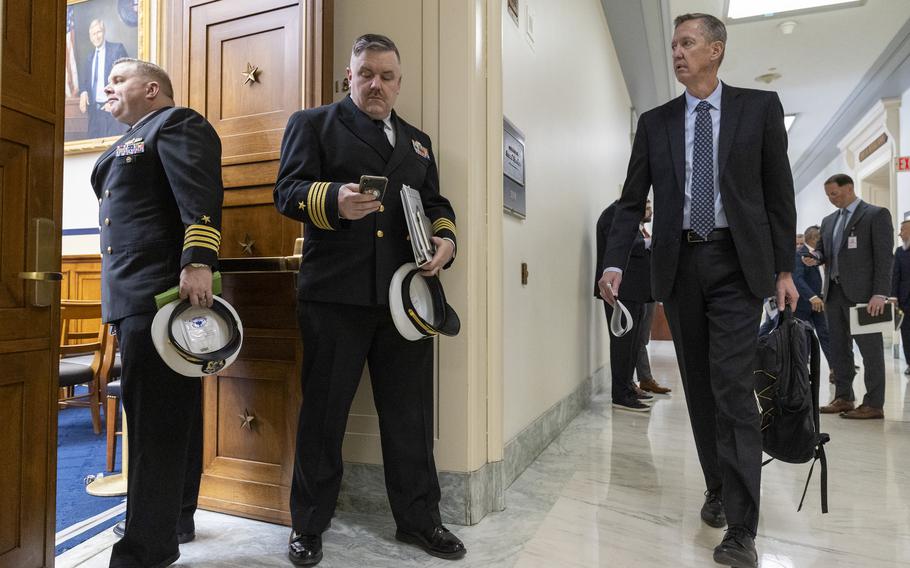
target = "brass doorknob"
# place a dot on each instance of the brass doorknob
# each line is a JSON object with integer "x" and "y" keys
{"x": 42, "y": 276}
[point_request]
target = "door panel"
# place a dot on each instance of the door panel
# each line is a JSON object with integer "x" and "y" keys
{"x": 31, "y": 158}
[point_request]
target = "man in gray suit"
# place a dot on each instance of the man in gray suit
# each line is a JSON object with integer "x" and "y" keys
{"x": 855, "y": 245}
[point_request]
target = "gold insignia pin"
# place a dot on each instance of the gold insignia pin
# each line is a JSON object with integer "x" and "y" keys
{"x": 301, "y": 205}
{"x": 205, "y": 219}
{"x": 249, "y": 74}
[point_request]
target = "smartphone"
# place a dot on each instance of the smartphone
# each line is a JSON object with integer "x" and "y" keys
{"x": 374, "y": 185}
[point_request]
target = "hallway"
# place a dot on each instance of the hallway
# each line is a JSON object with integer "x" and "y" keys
{"x": 623, "y": 489}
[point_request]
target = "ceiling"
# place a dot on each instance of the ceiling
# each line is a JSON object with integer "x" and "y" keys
{"x": 824, "y": 63}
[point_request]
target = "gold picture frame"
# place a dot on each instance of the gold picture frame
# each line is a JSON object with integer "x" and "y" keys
{"x": 125, "y": 32}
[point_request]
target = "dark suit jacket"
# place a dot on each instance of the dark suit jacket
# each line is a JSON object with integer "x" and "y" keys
{"x": 808, "y": 280}
{"x": 900, "y": 278}
{"x": 756, "y": 188}
{"x": 636, "y": 274}
{"x": 352, "y": 262}
{"x": 112, "y": 52}
{"x": 866, "y": 269}
{"x": 160, "y": 193}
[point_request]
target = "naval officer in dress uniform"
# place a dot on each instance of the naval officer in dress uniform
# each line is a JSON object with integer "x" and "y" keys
{"x": 353, "y": 245}
{"x": 159, "y": 190}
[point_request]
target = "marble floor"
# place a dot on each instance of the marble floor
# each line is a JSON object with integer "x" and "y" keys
{"x": 623, "y": 489}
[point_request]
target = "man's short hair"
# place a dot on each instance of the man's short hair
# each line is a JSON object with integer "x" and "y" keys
{"x": 840, "y": 179}
{"x": 712, "y": 27}
{"x": 810, "y": 231}
{"x": 374, "y": 42}
{"x": 904, "y": 222}
{"x": 151, "y": 71}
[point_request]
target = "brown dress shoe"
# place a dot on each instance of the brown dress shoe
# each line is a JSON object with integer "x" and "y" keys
{"x": 651, "y": 385}
{"x": 837, "y": 406}
{"x": 864, "y": 413}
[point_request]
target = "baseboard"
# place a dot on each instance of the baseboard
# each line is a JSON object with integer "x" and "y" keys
{"x": 467, "y": 497}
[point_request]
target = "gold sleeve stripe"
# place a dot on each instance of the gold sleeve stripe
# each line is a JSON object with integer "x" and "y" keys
{"x": 203, "y": 234}
{"x": 200, "y": 242}
{"x": 443, "y": 224}
{"x": 316, "y": 204}
{"x": 203, "y": 229}
{"x": 201, "y": 245}
{"x": 202, "y": 239}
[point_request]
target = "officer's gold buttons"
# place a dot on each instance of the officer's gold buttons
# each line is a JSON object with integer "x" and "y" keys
{"x": 380, "y": 234}
{"x": 129, "y": 159}
{"x": 109, "y": 250}
{"x": 107, "y": 221}
{"x": 381, "y": 208}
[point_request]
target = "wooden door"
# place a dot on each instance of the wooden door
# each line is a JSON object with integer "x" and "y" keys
{"x": 31, "y": 159}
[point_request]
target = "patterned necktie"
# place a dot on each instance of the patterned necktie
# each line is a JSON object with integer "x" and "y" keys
{"x": 701, "y": 213}
{"x": 838, "y": 240}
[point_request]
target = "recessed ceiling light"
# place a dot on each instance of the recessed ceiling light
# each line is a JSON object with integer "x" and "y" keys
{"x": 788, "y": 121}
{"x": 738, "y": 9}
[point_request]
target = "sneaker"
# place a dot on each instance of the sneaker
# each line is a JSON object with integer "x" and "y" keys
{"x": 631, "y": 406}
{"x": 640, "y": 394}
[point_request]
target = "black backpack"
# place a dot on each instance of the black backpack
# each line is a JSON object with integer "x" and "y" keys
{"x": 787, "y": 387}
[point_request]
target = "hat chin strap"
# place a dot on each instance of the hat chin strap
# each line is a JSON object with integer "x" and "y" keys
{"x": 213, "y": 361}
{"x": 439, "y": 303}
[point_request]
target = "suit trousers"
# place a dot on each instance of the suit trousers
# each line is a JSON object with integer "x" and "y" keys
{"x": 642, "y": 363}
{"x": 164, "y": 425}
{"x": 713, "y": 318}
{"x": 820, "y": 322}
{"x": 624, "y": 353}
{"x": 337, "y": 340}
{"x": 871, "y": 347}
{"x": 905, "y": 333}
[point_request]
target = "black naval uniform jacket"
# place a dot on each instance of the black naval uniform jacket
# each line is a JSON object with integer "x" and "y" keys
{"x": 160, "y": 192}
{"x": 352, "y": 262}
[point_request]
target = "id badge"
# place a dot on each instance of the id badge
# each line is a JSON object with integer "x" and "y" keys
{"x": 851, "y": 242}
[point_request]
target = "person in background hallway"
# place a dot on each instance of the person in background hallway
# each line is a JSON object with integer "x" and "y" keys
{"x": 723, "y": 240}
{"x": 353, "y": 245}
{"x": 855, "y": 247}
{"x": 800, "y": 240}
{"x": 900, "y": 287}
{"x": 92, "y": 99}
{"x": 646, "y": 381}
{"x": 160, "y": 193}
{"x": 624, "y": 350}
{"x": 808, "y": 279}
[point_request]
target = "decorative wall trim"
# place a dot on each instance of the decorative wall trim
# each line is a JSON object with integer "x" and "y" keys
{"x": 467, "y": 497}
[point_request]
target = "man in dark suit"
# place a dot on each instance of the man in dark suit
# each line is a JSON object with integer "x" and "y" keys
{"x": 717, "y": 160}
{"x": 855, "y": 247}
{"x": 900, "y": 287}
{"x": 624, "y": 350}
{"x": 353, "y": 245}
{"x": 159, "y": 191}
{"x": 808, "y": 280}
{"x": 92, "y": 98}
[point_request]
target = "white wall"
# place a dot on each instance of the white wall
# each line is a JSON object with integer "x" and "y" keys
{"x": 80, "y": 206}
{"x": 903, "y": 149}
{"x": 566, "y": 94}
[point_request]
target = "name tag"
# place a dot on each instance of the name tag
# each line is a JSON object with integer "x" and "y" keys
{"x": 851, "y": 242}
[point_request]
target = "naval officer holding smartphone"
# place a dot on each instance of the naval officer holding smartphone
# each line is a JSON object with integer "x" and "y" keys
{"x": 353, "y": 245}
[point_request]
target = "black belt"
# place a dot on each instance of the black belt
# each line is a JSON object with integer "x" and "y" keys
{"x": 690, "y": 237}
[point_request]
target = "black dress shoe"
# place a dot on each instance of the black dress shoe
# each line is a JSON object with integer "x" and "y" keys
{"x": 712, "y": 512}
{"x": 737, "y": 549}
{"x": 183, "y": 536}
{"x": 438, "y": 542}
{"x": 305, "y": 549}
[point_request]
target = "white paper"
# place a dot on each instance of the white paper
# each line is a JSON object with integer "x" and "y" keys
{"x": 880, "y": 327}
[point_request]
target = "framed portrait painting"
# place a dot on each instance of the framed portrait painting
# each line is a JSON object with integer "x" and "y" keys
{"x": 98, "y": 32}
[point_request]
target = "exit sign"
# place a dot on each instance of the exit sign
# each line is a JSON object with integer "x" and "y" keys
{"x": 903, "y": 163}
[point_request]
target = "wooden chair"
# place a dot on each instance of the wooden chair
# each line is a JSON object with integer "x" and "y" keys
{"x": 86, "y": 357}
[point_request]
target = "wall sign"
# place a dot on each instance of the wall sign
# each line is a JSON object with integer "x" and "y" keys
{"x": 513, "y": 170}
{"x": 902, "y": 163}
{"x": 873, "y": 146}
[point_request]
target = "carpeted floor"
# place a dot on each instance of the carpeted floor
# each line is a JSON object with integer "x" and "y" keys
{"x": 80, "y": 453}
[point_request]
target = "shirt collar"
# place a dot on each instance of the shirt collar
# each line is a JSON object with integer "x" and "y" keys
{"x": 852, "y": 207}
{"x": 713, "y": 99}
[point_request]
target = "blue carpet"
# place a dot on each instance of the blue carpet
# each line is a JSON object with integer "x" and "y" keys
{"x": 80, "y": 453}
